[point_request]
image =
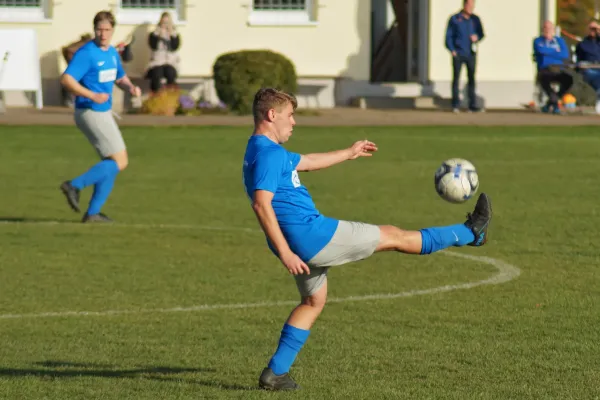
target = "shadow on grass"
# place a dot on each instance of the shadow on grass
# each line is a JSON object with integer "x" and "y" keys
{"x": 27, "y": 220}
{"x": 64, "y": 369}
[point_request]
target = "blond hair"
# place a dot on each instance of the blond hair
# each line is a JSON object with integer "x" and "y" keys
{"x": 165, "y": 14}
{"x": 269, "y": 98}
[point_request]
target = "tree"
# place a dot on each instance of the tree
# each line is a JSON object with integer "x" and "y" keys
{"x": 573, "y": 15}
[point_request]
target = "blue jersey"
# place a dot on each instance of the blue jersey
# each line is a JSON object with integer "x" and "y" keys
{"x": 549, "y": 52}
{"x": 268, "y": 166}
{"x": 95, "y": 69}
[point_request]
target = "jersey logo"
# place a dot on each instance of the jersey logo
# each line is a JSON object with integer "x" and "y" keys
{"x": 295, "y": 179}
{"x": 107, "y": 75}
{"x": 100, "y": 63}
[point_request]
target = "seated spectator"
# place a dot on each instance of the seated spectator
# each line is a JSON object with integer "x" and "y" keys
{"x": 164, "y": 60}
{"x": 550, "y": 53}
{"x": 588, "y": 52}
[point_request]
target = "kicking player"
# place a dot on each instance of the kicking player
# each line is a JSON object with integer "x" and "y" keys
{"x": 90, "y": 75}
{"x": 307, "y": 242}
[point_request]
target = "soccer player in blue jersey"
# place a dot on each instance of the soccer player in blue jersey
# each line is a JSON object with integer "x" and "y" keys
{"x": 91, "y": 75}
{"x": 307, "y": 242}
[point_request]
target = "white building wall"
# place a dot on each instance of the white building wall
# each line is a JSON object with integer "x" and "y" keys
{"x": 335, "y": 44}
{"x": 505, "y": 67}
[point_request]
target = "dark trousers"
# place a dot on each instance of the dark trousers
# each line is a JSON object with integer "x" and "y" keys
{"x": 157, "y": 73}
{"x": 457, "y": 63}
{"x": 548, "y": 76}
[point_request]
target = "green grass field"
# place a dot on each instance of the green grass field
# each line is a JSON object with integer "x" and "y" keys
{"x": 186, "y": 237}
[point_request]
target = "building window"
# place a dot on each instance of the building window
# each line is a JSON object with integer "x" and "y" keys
{"x": 280, "y": 5}
{"x": 23, "y": 10}
{"x": 148, "y": 11}
{"x": 282, "y": 12}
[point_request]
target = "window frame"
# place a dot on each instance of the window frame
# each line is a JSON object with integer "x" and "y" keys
{"x": 18, "y": 14}
{"x": 135, "y": 16}
{"x": 283, "y": 17}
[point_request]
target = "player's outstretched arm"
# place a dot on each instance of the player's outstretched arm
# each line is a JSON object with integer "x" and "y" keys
{"x": 263, "y": 209}
{"x": 313, "y": 162}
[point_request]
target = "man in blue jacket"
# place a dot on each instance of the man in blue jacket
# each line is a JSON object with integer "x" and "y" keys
{"x": 588, "y": 52}
{"x": 463, "y": 33}
{"x": 550, "y": 53}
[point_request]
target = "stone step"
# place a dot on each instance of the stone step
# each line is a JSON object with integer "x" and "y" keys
{"x": 381, "y": 102}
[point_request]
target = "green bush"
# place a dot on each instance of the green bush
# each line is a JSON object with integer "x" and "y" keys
{"x": 239, "y": 75}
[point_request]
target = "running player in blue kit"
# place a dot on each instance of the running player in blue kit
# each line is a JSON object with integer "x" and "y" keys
{"x": 91, "y": 75}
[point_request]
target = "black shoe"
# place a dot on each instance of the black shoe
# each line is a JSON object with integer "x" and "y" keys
{"x": 269, "y": 381}
{"x": 476, "y": 110}
{"x": 72, "y": 195}
{"x": 95, "y": 218}
{"x": 479, "y": 221}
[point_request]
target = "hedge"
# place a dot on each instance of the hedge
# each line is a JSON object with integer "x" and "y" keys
{"x": 239, "y": 75}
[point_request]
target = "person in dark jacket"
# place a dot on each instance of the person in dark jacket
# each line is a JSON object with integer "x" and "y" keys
{"x": 588, "y": 52}
{"x": 463, "y": 33}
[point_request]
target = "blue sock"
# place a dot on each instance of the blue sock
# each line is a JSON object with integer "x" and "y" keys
{"x": 96, "y": 174}
{"x": 291, "y": 341}
{"x": 102, "y": 190}
{"x": 436, "y": 239}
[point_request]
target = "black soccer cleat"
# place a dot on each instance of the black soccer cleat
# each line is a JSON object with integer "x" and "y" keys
{"x": 479, "y": 221}
{"x": 101, "y": 218}
{"x": 72, "y": 195}
{"x": 269, "y": 381}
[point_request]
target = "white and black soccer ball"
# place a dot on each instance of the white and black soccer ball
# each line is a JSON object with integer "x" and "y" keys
{"x": 456, "y": 180}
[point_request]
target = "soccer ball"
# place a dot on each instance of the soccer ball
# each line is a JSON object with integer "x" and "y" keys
{"x": 456, "y": 180}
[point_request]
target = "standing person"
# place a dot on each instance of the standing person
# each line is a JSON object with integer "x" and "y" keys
{"x": 164, "y": 60}
{"x": 550, "y": 53}
{"x": 463, "y": 33}
{"x": 307, "y": 242}
{"x": 90, "y": 76}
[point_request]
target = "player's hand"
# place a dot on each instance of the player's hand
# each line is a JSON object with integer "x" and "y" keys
{"x": 100, "y": 98}
{"x": 362, "y": 148}
{"x": 135, "y": 91}
{"x": 474, "y": 38}
{"x": 294, "y": 264}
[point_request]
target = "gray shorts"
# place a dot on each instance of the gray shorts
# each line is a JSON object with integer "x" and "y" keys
{"x": 101, "y": 130}
{"x": 352, "y": 241}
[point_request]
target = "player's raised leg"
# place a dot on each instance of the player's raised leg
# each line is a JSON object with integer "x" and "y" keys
{"x": 295, "y": 332}
{"x": 429, "y": 240}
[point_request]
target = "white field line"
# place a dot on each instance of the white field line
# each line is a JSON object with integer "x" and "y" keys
{"x": 506, "y": 272}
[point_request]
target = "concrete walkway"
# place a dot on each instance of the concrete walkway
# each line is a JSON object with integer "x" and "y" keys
{"x": 330, "y": 117}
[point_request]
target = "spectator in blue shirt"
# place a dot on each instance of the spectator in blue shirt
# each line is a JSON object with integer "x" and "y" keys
{"x": 550, "y": 54}
{"x": 463, "y": 33}
{"x": 588, "y": 52}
